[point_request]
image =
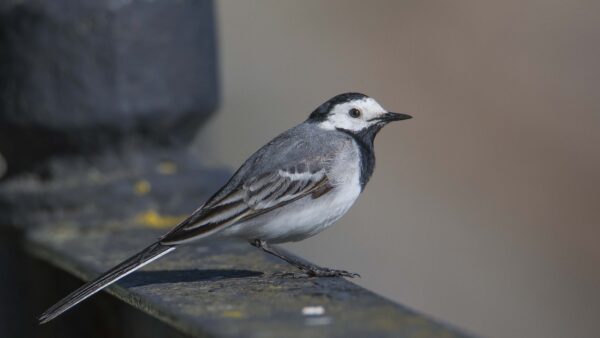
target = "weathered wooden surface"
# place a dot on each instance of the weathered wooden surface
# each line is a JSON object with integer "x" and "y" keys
{"x": 227, "y": 289}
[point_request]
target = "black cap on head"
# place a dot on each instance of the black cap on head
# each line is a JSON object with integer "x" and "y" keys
{"x": 323, "y": 110}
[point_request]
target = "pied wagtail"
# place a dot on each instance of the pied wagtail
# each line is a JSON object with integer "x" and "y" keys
{"x": 290, "y": 189}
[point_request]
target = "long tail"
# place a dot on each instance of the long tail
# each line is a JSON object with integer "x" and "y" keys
{"x": 144, "y": 257}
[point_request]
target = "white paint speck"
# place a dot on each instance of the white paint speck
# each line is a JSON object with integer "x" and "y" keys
{"x": 313, "y": 310}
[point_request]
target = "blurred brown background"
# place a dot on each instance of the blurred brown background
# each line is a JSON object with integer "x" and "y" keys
{"x": 483, "y": 210}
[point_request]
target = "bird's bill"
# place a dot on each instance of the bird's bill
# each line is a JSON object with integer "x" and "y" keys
{"x": 389, "y": 117}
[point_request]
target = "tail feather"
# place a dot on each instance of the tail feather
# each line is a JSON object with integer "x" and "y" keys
{"x": 135, "y": 262}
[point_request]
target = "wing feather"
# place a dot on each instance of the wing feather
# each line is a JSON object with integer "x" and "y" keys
{"x": 254, "y": 197}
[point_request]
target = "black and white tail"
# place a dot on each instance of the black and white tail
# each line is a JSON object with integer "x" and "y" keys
{"x": 151, "y": 253}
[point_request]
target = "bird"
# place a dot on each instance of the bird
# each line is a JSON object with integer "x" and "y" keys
{"x": 292, "y": 188}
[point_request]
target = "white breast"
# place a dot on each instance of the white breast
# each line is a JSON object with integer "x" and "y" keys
{"x": 307, "y": 216}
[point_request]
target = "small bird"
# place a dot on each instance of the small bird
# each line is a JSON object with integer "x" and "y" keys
{"x": 292, "y": 188}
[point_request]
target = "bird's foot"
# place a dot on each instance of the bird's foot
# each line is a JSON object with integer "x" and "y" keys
{"x": 308, "y": 270}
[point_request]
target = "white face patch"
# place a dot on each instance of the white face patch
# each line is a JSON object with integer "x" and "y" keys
{"x": 340, "y": 117}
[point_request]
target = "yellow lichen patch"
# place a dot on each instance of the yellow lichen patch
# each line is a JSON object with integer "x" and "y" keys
{"x": 167, "y": 168}
{"x": 153, "y": 219}
{"x": 142, "y": 187}
{"x": 233, "y": 314}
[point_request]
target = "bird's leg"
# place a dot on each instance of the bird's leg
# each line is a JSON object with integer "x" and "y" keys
{"x": 308, "y": 270}
{"x": 266, "y": 248}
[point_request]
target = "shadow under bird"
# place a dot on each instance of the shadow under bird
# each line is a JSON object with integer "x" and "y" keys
{"x": 290, "y": 189}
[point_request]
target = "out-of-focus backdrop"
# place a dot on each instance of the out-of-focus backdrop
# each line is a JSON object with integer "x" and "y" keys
{"x": 483, "y": 210}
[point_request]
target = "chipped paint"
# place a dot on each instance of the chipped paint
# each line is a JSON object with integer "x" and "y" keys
{"x": 313, "y": 310}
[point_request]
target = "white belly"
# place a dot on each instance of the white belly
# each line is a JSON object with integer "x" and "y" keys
{"x": 307, "y": 216}
{"x": 299, "y": 220}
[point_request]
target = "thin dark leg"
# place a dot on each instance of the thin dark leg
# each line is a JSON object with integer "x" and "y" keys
{"x": 308, "y": 270}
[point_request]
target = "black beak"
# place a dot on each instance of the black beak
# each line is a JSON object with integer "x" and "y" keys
{"x": 389, "y": 117}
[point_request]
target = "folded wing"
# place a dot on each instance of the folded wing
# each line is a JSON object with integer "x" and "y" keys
{"x": 253, "y": 197}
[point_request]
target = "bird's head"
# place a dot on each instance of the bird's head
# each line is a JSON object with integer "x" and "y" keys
{"x": 353, "y": 113}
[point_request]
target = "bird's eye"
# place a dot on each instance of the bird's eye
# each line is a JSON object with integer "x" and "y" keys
{"x": 354, "y": 113}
